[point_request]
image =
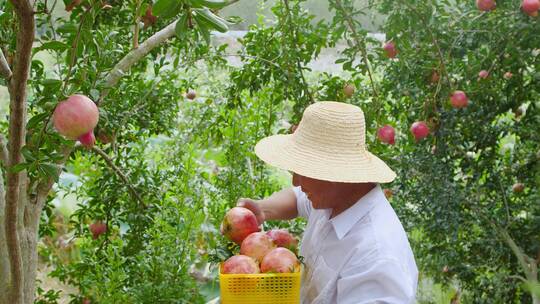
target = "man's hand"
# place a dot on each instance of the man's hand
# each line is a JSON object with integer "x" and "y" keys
{"x": 254, "y": 207}
{"x": 279, "y": 206}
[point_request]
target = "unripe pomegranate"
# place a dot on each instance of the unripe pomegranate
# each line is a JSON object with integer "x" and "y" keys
{"x": 348, "y": 89}
{"x": 240, "y": 264}
{"x": 97, "y": 228}
{"x": 388, "y": 193}
{"x": 459, "y": 99}
{"x": 283, "y": 238}
{"x": 508, "y": 75}
{"x": 518, "y": 187}
{"x": 257, "y": 245}
{"x": 419, "y": 130}
{"x": 486, "y": 5}
{"x": 531, "y": 7}
{"x": 191, "y": 94}
{"x": 75, "y": 116}
{"x": 390, "y": 49}
{"x": 386, "y": 134}
{"x": 280, "y": 260}
{"x": 88, "y": 140}
{"x": 483, "y": 74}
{"x": 238, "y": 223}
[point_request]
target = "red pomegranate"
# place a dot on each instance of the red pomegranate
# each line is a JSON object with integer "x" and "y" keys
{"x": 459, "y": 99}
{"x": 75, "y": 116}
{"x": 483, "y": 74}
{"x": 283, "y": 238}
{"x": 97, "y": 228}
{"x": 88, "y": 140}
{"x": 390, "y": 49}
{"x": 531, "y": 7}
{"x": 280, "y": 260}
{"x": 257, "y": 245}
{"x": 419, "y": 130}
{"x": 240, "y": 264}
{"x": 386, "y": 134}
{"x": 486, "y": 5}
{"x": 238, "y": 223}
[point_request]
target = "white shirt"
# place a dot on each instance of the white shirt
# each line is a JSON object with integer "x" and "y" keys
{"x": 360, "y": 256}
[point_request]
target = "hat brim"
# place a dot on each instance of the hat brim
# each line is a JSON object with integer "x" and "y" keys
{"x": 358, "y": 167}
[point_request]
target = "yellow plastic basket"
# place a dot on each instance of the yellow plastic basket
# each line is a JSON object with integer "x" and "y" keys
{"x": 262, "y": 288}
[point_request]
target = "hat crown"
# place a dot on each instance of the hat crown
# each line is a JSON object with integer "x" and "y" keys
{"x": 332, "y": 126}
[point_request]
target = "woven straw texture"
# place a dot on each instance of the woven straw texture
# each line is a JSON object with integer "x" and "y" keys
{"x": 329, "y": 144}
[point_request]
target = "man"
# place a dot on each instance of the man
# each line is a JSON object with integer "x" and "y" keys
{"x": 354, "y": 246}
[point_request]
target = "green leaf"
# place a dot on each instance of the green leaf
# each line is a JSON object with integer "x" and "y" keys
{"x": 52, "y": 45}
{"x": 203, "y": 29}
{"x": 27, "y": 154}
{"x": 19, "y": 167}
{"x": 33, "y": 122}
{"x": 166, "y": 8}
{"x": 67, "y": 28}
{"x": 52, "y": 83}
{"x": 50, "y": 170}
{"x": 181, "y": 28}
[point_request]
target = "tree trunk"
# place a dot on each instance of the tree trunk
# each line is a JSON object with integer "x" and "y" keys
{"x": 4, "y": 260}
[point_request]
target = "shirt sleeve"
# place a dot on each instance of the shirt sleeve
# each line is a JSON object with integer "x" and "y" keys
{"x": 382, "y": 281}
{"x": 303, "y": 204}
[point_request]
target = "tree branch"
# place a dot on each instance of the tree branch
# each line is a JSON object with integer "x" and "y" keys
{"x": 120, "y": 174}
{"x": 360, "y": 43}
{"x": 5, "y": 71}
{"x": 17, "y": 133}
{"x": 134, "y": 56}
{"x": 3, "y": 150}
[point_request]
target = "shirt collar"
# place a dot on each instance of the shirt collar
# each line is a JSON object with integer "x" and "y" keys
{"x": 344, "y": 221}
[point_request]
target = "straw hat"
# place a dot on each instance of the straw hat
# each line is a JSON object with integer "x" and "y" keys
{"x": 329, "y": 144}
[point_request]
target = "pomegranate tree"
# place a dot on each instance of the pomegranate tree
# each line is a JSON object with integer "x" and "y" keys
{"x": 283, "y": 238}
{"x": 240, "y": 264}
{"x": 76, "y": 116}
{"x": 280, "y": 260}
{"x": 238, "y": 223}
{"x": 257, "y": 245}
{"x": 386, "y": 134}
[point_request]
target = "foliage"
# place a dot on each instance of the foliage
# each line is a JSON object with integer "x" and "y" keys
{"x": 171, "y": 167}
